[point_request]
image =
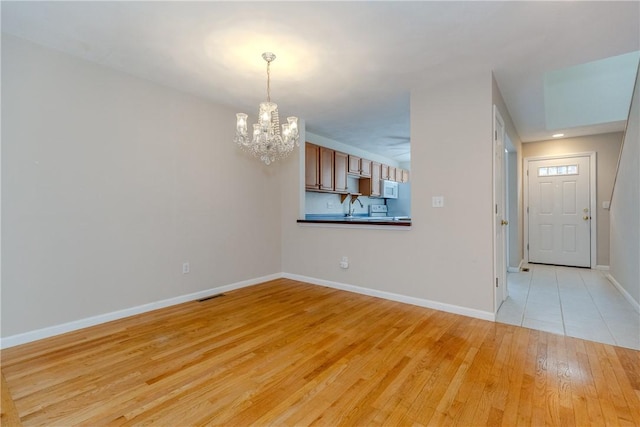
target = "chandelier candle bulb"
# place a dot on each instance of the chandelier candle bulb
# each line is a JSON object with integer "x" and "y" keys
{"x": 268, "y": 143}
{"x": 241, "y": 126}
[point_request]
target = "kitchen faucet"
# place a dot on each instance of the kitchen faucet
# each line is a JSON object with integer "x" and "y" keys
{"x": 352, "y": 209}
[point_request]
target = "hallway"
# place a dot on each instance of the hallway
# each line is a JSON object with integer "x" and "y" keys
{"x": 576, "y": 302}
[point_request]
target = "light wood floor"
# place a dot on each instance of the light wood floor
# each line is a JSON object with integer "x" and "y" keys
{"x": 288, "y": 353}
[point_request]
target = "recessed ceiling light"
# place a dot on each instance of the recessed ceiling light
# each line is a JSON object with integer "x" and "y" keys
{"x": 557, "y": 135}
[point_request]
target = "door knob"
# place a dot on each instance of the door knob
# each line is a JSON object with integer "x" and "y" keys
{"x": 586, "y": 217}
{"x": 504, "y": 222}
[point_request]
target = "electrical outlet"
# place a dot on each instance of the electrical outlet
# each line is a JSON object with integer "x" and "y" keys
{"x": 344, "y": 263}
{"x": 437, "y": 202}
{"x": 329, "y": 205}
{"x": 186, "y": 269}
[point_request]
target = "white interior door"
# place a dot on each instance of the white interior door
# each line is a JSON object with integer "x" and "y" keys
{"x": 500, "y": 222}
{"x": 559, "y": 211}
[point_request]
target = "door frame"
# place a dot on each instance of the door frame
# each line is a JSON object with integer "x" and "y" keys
{"x": 499, "y": 292}
{"x": 593, "y": 205}
{"x": 512, "y": 206}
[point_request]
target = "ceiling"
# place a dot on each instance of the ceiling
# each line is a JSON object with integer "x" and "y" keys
{"x": 346, "y": 68}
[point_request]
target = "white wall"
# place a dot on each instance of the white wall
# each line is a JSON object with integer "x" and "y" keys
{"x": 625, "y": 207}
{"x": 446, "y": 256}
{"x": 110, "y": 182}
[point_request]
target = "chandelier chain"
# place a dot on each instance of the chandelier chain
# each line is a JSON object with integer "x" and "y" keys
{"x": 268, "y": 81}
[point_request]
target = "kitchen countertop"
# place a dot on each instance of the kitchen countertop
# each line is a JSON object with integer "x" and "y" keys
{"x": 356, "y": 219}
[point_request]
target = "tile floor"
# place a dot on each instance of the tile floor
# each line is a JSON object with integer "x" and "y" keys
{"x": 577, "y": 302}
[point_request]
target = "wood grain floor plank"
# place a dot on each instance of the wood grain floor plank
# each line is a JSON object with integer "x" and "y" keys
{"x": 8, "y": 412}
{"x": 514, "y": 376}
{"x": 472, "y": 391}
{"x": 626, "y": 383}
{"x": 288, "y": 353}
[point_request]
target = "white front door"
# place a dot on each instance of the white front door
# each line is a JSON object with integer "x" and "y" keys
{"x": 559, "y": 211}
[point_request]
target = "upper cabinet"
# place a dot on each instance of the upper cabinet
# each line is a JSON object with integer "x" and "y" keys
{"x": 365, "y": 167}
{"x": 319, "y": 169}
{"x": 384, "y": 171}
{"x": 375, "y": 179}
{"x": 402, "y": 175}
{"x": 354, "y": 165}
{"x": 359, "y": 166}
{"x": 371, "y": 186}
{"x": 312, "y": 166}
{"x": 340, "y": 171}
{"x": 392, "y": 173}
{"x": 326, "y": 169}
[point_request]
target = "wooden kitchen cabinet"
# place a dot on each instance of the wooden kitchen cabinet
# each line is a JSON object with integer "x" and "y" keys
{"x": 371, "y": 186}
{"x": 359, "y": 166}
{"x": 354, "y": 165}
{"x": 326, "y": 168}
{"x": 365, "y": 167}
{"x": 340, "y": 171}
{"x": 312, "y": 166}
{"x": 402, "y": 175}
{"x": 375, "y": 179}
{"x": 384, "y": 171}
{"x": 392, "y": 173}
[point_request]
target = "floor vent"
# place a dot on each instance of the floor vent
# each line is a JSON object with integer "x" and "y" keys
{"x": 211, "y": 297}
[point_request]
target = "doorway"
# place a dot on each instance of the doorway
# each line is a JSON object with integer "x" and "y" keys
{"x": 560, "y": 213}
{"x": 500, "y": 218}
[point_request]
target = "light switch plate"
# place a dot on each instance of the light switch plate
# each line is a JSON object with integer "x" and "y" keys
{"x": 606, "y": 205}
{"x": 437, "y": 201}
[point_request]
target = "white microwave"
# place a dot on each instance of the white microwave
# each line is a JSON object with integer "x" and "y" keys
{"x": 389, "y": 189}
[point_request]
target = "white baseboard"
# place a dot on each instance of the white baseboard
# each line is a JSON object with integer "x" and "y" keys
{"x": 449, "y": 308}
{"x": 516, "y": 269}
{"x": 601, "y": 267}
{"x": 50, "y": 331}
{"x": 623, "y": 291}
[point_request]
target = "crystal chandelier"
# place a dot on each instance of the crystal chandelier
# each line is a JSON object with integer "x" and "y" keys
{"x": 267, "y": 143}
